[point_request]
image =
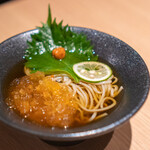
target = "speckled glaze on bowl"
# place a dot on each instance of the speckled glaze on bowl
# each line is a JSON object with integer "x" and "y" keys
{"x": 127, "y": 63}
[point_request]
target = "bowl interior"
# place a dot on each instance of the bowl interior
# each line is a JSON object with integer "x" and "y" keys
{"x": 126, "y": 63}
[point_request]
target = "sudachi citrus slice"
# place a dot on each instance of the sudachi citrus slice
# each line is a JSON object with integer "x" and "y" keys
{"x": 92, "y": 71}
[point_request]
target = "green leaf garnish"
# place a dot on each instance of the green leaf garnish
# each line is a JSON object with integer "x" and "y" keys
{"x": 50, "y": 36}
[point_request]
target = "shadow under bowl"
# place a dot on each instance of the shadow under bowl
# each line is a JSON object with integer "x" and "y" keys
{"x": 125, "y": 61}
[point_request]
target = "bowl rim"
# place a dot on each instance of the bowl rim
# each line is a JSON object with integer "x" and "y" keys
{"x": 90, "y": 133}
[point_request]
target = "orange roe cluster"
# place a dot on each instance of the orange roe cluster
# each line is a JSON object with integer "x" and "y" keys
{"x": 59, "y": 53}
{"x": 43, "y": 101}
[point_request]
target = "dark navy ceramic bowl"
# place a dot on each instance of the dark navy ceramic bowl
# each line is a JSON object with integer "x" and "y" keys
{"x": 125, "y": 61}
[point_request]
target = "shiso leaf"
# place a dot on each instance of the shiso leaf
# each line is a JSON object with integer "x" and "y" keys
{"x": 50, "y": 36}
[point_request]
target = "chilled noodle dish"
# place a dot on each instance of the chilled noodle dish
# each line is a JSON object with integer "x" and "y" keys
{"x": 64, "y": 84}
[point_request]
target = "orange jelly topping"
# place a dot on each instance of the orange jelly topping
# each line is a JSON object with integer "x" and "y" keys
{"x": 43, "y": 101}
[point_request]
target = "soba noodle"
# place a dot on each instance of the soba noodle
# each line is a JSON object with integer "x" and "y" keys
{"x": 94, "y": 99}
